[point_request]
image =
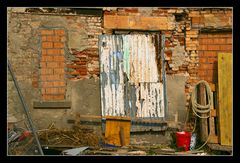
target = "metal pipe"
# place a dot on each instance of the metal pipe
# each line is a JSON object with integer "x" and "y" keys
{"x": 164, "y": 75}
{"x": 25, "y": 108}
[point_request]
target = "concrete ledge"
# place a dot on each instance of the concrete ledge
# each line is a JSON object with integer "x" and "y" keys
{"x": 52, "y": 105}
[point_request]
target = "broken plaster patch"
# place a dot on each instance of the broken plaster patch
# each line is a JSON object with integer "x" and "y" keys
{"x": 178, "y": 56}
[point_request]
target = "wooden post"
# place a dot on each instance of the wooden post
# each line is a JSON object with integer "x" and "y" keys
{"x": 203, "y": 121}
{"x": 122, "y": 140}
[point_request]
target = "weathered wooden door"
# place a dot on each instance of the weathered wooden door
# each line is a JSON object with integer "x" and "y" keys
{"x": 130, "y": 76}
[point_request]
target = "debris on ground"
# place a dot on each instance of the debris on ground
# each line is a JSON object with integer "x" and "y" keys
{"x": 76, "y": 136}
{"x": 74, "y": 151}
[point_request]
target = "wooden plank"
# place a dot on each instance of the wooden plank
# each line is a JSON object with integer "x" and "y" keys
{"x": 225, "y": 97}
{"x": 211, "y": 119}
{"x": 213, "y": 139}
{"x": 136, "y": 22}
{"x": 203, "y": 121}
{"x": 113, "y": 132}
{"x": 219, "y": 147}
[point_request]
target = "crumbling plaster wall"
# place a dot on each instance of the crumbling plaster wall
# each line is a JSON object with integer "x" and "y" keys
{"x": 181, "y": 27}
{"x": 24, "y": 53}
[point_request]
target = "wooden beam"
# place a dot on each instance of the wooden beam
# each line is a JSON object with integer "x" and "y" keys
{"x": 220, "y": 147}
{"x": 213, "y": 139}
{"x": 203, "y": 121}
{"x": 137, "y": 22}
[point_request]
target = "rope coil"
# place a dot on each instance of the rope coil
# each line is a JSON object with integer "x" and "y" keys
{"x": 201, "y": 109}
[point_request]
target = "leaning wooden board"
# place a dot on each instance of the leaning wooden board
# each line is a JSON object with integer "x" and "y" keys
{"x": 117, "y": 131}
{"x": 225, "y": 97}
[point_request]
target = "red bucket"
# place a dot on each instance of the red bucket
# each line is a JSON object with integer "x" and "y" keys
{"x": 183, "y": 139}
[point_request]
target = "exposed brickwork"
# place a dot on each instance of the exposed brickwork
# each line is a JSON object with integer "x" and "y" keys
{"x": 47, "y": 68}
{"x": 52, "y": 64}
{"x": 85, "y": 64}
{"x": 210, "y": 45}
{"x": 182, "y": 42}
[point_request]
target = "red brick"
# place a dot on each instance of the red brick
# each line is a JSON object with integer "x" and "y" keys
{"x": 83, "y": 73}
{"x": 43, "y": 77}
{"x": 202, "y": 59}
{"x": 47, "y": 84}
{"x": 52, "y": 64}
{"x": 201, "y": 73}
{"x": 44, "y": 51}
{"x": 54, "y": 38}
{"x": 73, "y": 66}
{"x": 206, "y": 67}
{"x": 59, "y": 32}
{"x": 212, "y": 60}
{"x": 219, "y": 41}
{"x": 61, "y": 64}
{"x": 59, "y": 97}
{"x": 54, "y": 51}
{"x": 59, "y": 84}
{"x": 229, "y": 41}
{"x": 43, "y": 64}
{"x": 203, "y": 36}
{"x": 208, "y": 41}
{"x": 44, "y": 38}
{"x": 200, "y": 53}
{"x": 61, "y": 90}
{"x": 202, "y": 47}
{"x": 47, "y": 45}
{"x": 58, "y": 45}
{"x": 58, "y": 71}
{"x": 62, "y": 51}
{"x": 213, "y": 47}
{"x": 226, "y": 47}
{"x": 210, "y": 53}
{"x": 35, "y": 84}
{"x": 47, "y": 71}
{"x": 59, "y": 58}
{"x": 54, "y": 77}
{"x": 47, "y": 58}
{"x": 45, "y": 97}
{"x": 46, "y": 32}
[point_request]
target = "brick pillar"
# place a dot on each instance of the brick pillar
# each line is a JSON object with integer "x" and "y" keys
{"x": 52, "y": 64}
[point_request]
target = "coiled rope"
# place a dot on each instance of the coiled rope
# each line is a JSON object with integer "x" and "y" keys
{"x": 201, "y": 109}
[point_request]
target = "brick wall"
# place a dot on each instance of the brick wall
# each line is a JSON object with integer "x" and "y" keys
{"x": 187, "y": 51}
{"x": 52, "y": 81}
{"x": 210, "y": 45}
{"x": 84, "y": 61}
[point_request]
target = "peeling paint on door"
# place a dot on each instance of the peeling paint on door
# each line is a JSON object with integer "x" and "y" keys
{"x": 130, "y": 83}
